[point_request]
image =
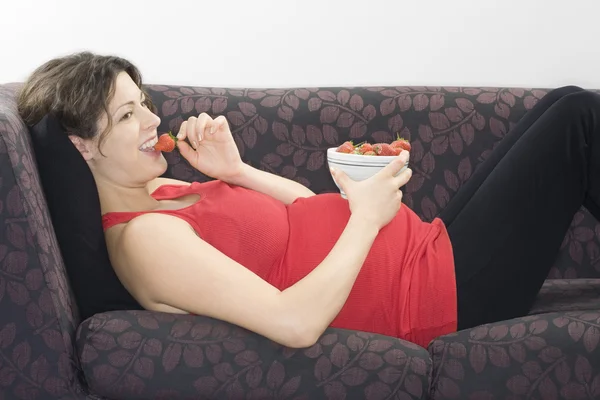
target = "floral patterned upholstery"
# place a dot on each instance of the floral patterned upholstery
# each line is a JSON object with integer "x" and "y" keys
{"x": 546, "y": 356}
{"x": 46, "y": 352}
{"x": 141, "y": 355}
{"x": 38, "y": 314}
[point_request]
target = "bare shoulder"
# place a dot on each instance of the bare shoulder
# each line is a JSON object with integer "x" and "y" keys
{"x": 135, "y": 248}
{"x": 158, "y": 182}
{"x": 145, "y": 227}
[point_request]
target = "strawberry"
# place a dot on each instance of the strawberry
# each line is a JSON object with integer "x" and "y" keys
{"x": 346, "y": 147}
{"x": 166, "y": 142}
{"x": 401, "y": 143}
{"x": 383, "y": 149}
{"x": 369, "y": 153}
{"x": 396, "y": 150}
{"x": 365, "y": 147}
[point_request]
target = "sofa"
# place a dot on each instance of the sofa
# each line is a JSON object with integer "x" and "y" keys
{"x": 48, "y": 352}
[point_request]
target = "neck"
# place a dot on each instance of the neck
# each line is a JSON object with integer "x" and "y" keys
{"x": 115, "y": 198}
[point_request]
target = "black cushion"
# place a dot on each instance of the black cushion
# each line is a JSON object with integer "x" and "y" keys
{"x": 74, "y": 205}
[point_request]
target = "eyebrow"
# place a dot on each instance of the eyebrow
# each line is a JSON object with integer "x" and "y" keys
{"x": 128, "y": 103}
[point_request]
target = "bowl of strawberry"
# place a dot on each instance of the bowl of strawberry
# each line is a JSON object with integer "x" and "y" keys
{"x": 361, "y": 161}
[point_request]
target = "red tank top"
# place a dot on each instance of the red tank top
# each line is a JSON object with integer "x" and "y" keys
{"x": 406, "y": 287}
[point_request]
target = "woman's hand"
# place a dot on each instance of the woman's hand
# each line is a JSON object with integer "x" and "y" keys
{"x": 378, "y": 198}
{"x": 213, "y": 150}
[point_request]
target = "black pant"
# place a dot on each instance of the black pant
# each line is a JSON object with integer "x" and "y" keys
{"x": 508, "y": 221}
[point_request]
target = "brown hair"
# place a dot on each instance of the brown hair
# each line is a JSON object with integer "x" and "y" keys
{"x": 76, "y": 89}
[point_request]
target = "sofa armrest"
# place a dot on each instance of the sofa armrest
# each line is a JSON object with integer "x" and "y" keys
{"x": 147, "y": 355}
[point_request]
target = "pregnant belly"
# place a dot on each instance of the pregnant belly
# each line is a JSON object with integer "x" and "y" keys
{"x": 380, "y": 298}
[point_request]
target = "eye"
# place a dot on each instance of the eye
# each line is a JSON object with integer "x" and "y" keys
{"x": 127, "y": 116}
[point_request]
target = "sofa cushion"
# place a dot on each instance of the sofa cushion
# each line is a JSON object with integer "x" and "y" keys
{"x": 546, "y": 356}
{"x": 148, "y": 355}
{"x": 72, "y": 199}
{"x": 567, "y": 295}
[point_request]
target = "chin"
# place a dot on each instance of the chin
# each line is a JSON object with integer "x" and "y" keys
{"x": 161, "y": 165}
{"x": 154, "y": 163}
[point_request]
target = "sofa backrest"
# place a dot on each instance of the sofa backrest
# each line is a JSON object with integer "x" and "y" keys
{"x": 284, "y": 131}
{"x": 452, "y": 130}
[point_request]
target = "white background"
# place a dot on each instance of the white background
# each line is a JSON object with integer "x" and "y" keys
{"x": 278, "y": 43}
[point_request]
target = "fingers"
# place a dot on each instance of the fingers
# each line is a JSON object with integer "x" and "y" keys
{"x": 340, "y": 177}
{"x": 403, "y": 178}
{"x": 217, "y": 124}
{"x": 182, "y": 134}
{"x": 396, "y": 166}
{"x": 404, "y": 173}
{"x": 184, "y": 149}
{"x": 397, "y": 170}
{"x": 195, "y": 129}
{"x": 190, "y": 131}
{"x": 203, "y": 127}
{"x": 399, "y": 196}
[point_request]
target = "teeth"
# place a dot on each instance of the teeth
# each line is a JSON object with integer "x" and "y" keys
{"x": 149, "y": 144}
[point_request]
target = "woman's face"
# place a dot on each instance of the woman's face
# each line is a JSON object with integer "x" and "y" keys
{"x": 127, "y": 158}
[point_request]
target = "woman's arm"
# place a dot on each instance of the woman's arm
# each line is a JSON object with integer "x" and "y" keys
{"x": 283, "y": 189}
{"x": 215, "y": 154}
{"x": 191, "y": 276}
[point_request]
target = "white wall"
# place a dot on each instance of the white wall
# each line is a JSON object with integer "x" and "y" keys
{"x": 274, "y": 43}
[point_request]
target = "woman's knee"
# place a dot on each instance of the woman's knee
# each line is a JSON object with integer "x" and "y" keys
{"x": 564, "y": 91}
{"x": 581, "y": 103}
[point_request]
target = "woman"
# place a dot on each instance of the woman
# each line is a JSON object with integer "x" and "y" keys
{"x": 267, "y": 254}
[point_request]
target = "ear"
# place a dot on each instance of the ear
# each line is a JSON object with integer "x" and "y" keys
{"x": 84, "y": 147}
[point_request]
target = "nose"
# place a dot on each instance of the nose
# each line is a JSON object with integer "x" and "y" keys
{"x": 151, "y": 120}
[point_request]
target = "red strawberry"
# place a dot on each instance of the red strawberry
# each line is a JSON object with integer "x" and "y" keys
{"x": 383, "y": 149}
{"x": 369, "y": 153}
{"x": 346, "y": 147}
{"x": 402, "y": 144}
{"x": 166, "y": 142}
{"x": 365, "y": 147}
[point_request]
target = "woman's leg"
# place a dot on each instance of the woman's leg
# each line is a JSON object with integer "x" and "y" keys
{"x": 467, "y": 191}
{"x": 507, "y": 222}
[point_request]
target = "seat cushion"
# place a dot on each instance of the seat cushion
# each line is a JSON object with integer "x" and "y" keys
{"x": 551, "y": 354}
{"x": 568, "y": 295}
{"x": 545, "y": 356}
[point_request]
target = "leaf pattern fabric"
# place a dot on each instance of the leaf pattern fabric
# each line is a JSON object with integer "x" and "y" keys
{"x": 452, "y": 130}
{"x": 547, "y": 356}
{"x": 139, "y": 355}
{"x": 47, "y": 352}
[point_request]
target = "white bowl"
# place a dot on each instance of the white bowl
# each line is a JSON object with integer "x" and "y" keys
{"x": 356, "y": 166}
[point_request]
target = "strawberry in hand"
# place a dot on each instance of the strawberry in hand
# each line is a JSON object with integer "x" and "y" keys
{"x": 166, "y": 143}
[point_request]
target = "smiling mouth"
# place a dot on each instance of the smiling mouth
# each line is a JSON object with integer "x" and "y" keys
{"x": 149, "y": 145}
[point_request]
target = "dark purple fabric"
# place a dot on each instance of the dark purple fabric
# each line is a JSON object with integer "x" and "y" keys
{"x": 547, "y": 356}
{"x": 38, "y": 316}
{"x": 287, "y": 131}
{"x": 143, "y": 355}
